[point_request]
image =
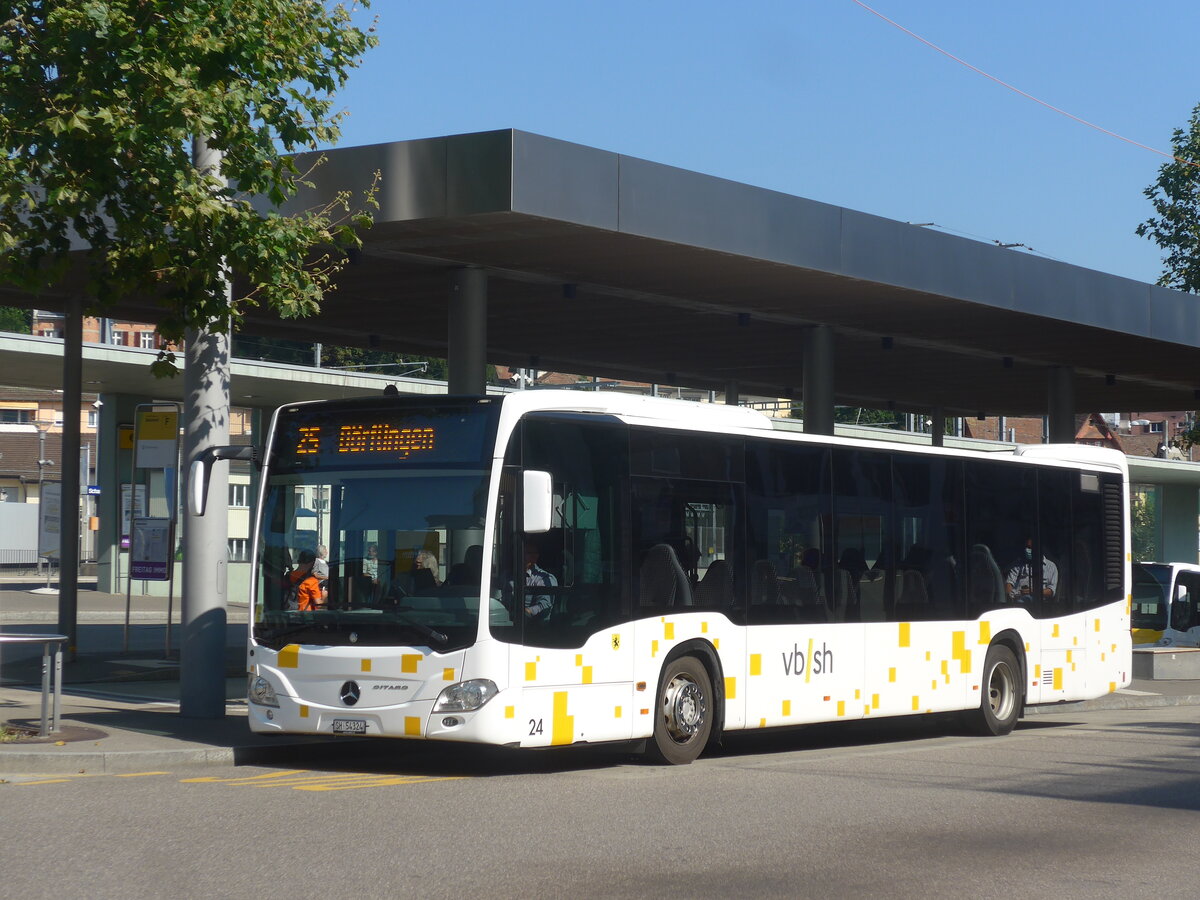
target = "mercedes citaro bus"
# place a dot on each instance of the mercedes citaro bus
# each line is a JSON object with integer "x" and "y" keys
{"x": 557, "y": 567}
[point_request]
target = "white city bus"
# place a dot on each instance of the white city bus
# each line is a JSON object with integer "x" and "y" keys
{"x": 699, "y": 569}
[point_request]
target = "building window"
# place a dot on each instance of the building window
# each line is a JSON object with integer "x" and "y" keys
{"x": 16, "y": 417}
{"x": 48, "y": 332}
{"x": 239, "y": 495}
{"x": 147, "y": 340}
{"x": 1158, "y": 427}
{"x": 93, "y": 418}
{"x": 237, "y": 550}
{"x": 116, "y": 338}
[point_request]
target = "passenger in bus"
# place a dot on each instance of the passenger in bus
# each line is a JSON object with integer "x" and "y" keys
{"x": 1019, "y": 583}
{"x": 537, "y": 606}
{"x": 321, "y": 566}
{"x": 425, "y": 571}
{"x": 369, "y": 581}
{"x": 311, "y": 593}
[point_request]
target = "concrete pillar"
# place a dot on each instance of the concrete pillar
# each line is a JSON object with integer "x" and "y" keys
{"x": 1060, "y": 404}
{"x": 205, "y": 538}
{"x": 1179, "y": 508}
{"x": 732, "y": 397}
{"x": 937, "y": 428}
{"x": 466, "y": 357}
{"x": 818, "y": 379}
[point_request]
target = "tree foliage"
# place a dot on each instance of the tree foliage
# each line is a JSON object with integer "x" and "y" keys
{"x": 1143, "y": 516}
{"x": 383, "y": 362}
{"x": 15, "y": 320}
{"x": 1175, "y": 227}
{"x": 99, "y": 103}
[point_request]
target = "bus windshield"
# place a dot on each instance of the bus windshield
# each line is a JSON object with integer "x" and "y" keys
{"x": 372, "y": 528}
{"x": 1150, "y": 586}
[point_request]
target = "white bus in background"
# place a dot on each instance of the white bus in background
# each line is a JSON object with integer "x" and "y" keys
{"x": 699, "y": 570}
{"x": 1166, "y": 604}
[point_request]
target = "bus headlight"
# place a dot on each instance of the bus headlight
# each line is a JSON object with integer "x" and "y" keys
{"x": 466, "y": 696}
{"x": 261, "y": 692}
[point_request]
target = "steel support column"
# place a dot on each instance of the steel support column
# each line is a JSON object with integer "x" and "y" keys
{"x": 937, "y": 427}
{"x": 818, "y": 379}
{"x": 68, "y": 553}
{"x": 1060, "y": 404}
{"x": 466, "y": 357}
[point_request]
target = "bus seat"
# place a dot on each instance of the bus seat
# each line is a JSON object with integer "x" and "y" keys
{"x": 766, "y": 584}
{"x": 661, "y": 581}
{"x": 985, "y": 584}
{"x": 870, "y": 600}
{"x": 716, "y": 587}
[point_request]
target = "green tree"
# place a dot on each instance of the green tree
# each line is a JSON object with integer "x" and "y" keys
{"x": 99, "y": 103}
{"x": 1143, "y": 515}
{"x": 854, "y": 415}
{"x": 1175, "y": 227}
{"x": 383, "y": 362}
{"x": 16, "y": 320}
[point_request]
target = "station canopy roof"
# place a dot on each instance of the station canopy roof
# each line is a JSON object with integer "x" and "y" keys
{"x": 602, "y": 264}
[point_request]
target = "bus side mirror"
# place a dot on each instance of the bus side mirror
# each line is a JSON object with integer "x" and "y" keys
{"x": 201, "y": 473}
{"x": 538, "y": 489}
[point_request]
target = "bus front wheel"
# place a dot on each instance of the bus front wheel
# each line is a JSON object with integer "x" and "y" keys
{"x": 684, "y": 716}
{"x": 1000, "y": 705}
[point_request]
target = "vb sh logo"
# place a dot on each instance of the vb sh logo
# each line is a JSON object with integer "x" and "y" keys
{"x": 807, "y": 663}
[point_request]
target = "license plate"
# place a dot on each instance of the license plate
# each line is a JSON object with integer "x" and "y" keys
{"x": 349, "y": 726}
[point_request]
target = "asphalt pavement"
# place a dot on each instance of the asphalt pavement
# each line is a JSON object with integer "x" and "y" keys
{"x": 120, "y": 703}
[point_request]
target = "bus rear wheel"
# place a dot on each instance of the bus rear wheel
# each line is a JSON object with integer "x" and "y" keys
{"x": 1000, "y": 705}
{"x": 684, "y": 716}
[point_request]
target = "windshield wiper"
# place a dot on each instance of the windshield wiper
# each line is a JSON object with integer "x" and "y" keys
{"x": 420, "y": 627}
{"x": 423, "y": 630}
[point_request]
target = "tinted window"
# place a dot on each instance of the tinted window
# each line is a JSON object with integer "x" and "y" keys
{"x": 1001, "y": 514}
{"x": 863, "y": 551}
{"x": 685, "y": 454}
{"x": 788, "y": 533}
{"x": 685, "y": 545}
{"x": 929, "y": 577}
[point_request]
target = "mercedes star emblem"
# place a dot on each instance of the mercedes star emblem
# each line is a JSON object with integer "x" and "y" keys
{"x": 350, "y": 693}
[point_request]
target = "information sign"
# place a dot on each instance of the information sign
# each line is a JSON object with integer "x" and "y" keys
{"x": 157, "y": 439}
{"x": 150, "y": 559}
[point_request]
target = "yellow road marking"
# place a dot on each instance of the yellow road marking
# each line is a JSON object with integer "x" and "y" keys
{"x": 47, "y": 781}
{"x": 304, "y": 780}
{"x": 214, "y": 779}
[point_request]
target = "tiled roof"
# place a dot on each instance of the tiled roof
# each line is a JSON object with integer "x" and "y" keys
{"x": 19, "y": 454}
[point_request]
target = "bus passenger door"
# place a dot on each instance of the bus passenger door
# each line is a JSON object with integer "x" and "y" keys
{"x": 574, "y": 643}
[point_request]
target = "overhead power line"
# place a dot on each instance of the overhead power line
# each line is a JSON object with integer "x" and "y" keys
{"x": 1017, "y": 90}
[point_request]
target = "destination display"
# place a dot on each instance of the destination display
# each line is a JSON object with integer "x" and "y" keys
{"x": 367, "y": 439}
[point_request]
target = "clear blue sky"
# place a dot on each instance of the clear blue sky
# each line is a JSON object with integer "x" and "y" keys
{"x": 821, "y": 99}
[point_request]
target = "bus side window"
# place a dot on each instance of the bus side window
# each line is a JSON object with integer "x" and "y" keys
{"x": 1001, "y": 515}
